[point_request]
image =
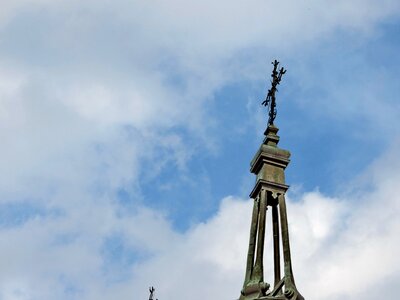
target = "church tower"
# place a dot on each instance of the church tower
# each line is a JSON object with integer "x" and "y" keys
{"x": 269, "y": 165}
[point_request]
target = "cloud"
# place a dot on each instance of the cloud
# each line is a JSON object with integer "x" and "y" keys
{"x": 97, "y": 98}
{"x": 76, "y": 75}
{"x": 335, "y": 246}
{"x": 341, "y": 247}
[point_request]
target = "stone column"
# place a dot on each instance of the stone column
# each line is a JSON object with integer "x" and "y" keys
{"x": 252, "y": 242}
{"x": 258, "y": 272}
{"x": 277, "y": 255}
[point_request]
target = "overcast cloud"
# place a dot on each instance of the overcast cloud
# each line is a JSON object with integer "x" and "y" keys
{"x": 120, "y": 121}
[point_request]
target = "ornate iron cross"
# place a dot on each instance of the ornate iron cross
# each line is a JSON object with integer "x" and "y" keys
{"x": 270, "y": 100}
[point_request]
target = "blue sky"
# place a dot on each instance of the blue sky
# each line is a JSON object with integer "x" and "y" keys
{"x": 127, "y": 129}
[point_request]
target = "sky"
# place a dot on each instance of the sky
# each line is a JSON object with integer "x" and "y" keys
{"x": 127, "y": 129}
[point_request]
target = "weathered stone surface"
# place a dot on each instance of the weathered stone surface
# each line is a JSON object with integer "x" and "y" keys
{"x": 269, "y": 165}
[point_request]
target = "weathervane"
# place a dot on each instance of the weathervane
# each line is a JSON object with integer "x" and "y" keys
{"x": 270, "y": 100}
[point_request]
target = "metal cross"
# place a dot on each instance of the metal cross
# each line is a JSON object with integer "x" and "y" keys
{"x": 270, "y": 100}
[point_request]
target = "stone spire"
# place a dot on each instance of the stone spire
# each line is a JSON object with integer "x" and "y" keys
{"x": 269, "y": 164}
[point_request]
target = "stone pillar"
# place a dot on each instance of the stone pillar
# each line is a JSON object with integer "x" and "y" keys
{"x": 277, "y": 260}
{"x": 252, "y": 242}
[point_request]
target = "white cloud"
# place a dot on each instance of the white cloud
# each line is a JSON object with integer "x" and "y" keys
{"x": 85, "y": 82}
{"x": 90, "y": 100}
{"x": 341, "y": 247}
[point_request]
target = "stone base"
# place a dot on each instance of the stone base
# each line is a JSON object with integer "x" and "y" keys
{"x": 254, "y": 291}
{"x": 260, "y": 291}
{"x": 295, "y": 296}
{"x": 277, "y": 297}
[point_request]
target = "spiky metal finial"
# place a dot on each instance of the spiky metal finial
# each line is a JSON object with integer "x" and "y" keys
{"x": 270, "y": 100}
{"x": 151, "y": 290}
